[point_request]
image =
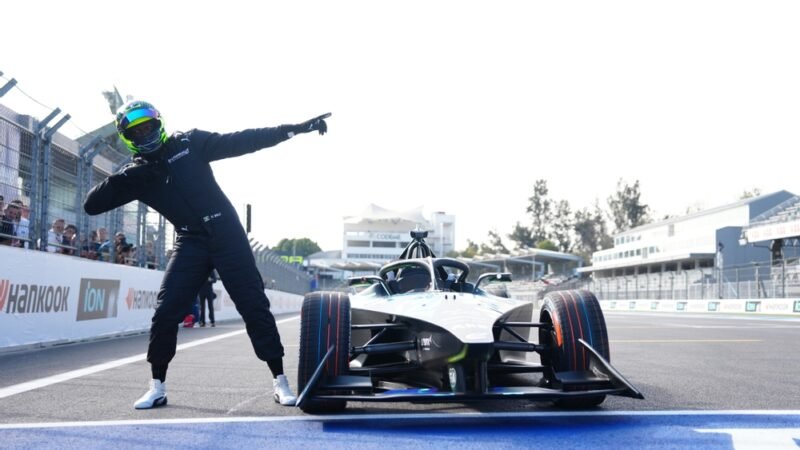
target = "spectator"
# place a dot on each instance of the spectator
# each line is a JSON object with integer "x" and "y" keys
{"x": 150, "y": 255}
{"x": 7, "y": 224}
{"x": 55, "y": 237}
{"x": 89, "y": 246}
{"x": 104, "y": 245}
{"x": 122, "y": 249}
{"x": 23, "y": 227}
{"x": 70, "y": 239}
{"x": 207, "y": 295}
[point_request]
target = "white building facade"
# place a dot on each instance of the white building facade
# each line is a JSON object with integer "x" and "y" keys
{"x": 694, "y": 241}
{"x": 379, "y": 234}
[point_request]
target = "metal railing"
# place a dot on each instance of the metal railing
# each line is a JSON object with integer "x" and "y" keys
{"x": 779, "y": 279}
{"x": 51, "y": 175}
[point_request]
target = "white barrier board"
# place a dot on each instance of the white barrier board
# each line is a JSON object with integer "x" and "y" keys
{"x": 48, "y": 298}
{"x": 783, "y": 306}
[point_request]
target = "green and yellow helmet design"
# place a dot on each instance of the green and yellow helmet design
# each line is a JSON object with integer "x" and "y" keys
{"x": 135, "y": 113}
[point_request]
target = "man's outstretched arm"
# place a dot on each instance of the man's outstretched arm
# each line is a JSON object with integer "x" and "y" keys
{"x": 219, "y": 146}
{"x": 116, "y": 190}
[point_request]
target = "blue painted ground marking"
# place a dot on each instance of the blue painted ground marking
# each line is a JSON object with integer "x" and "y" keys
{"x": 611, "y": 430}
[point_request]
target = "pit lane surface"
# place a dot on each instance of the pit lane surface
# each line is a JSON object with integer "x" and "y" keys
{"x": 680, "y": 362}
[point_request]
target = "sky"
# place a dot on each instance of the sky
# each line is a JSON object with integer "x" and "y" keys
{"x": 455, "y": 106}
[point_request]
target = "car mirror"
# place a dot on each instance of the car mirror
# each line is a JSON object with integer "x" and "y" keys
{"x": 365, "y": 279}
{"x": 494, "y": 277}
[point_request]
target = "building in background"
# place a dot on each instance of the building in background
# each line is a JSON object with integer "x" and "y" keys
{"x": 694, "y": 241}
{"x": 379, "y": 234}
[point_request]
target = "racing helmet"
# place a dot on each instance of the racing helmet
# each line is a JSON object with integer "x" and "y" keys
{"x": 133, "y": 114}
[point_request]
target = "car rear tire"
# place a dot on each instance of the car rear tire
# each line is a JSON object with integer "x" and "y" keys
{"x": 324, "y": 321}
{"x": 574, "y": 315}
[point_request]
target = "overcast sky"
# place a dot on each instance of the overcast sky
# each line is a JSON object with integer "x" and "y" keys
{"x": 458, "y": 106}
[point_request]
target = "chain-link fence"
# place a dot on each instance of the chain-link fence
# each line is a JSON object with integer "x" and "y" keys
{"x": 778, "y": 279}
{"x": 47, "y": 177}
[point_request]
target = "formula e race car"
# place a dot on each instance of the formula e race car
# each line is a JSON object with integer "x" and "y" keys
{"x": 419, "y": 331}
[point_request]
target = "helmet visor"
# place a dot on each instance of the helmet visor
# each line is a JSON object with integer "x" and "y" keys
{"x": 141, "y": 129}
{"x": 137, "y": 116}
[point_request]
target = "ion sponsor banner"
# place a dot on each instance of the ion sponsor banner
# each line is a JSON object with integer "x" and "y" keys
{"x": 752, "y": 306}
{"x": 97, "y": 299}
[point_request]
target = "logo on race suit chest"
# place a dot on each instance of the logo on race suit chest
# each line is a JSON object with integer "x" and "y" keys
{"x": 178, "y": 156}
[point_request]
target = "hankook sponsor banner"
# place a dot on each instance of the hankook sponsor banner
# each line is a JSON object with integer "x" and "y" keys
{"x": 47, "y": 298}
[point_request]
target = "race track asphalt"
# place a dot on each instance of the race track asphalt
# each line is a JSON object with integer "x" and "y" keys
{"x": 678, "y": 361}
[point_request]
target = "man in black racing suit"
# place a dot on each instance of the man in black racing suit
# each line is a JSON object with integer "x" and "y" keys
{"x": 172, "y": 174}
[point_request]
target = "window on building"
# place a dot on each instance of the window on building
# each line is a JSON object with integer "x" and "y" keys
{"x": 671, "y": 230}
{"x": 383, "y": 244}
{"x": 358, "y": 243}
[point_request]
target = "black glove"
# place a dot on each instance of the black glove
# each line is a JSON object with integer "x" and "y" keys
{"x": 315, "y": 124}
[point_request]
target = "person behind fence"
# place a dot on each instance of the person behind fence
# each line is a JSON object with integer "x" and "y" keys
{"x": 89, "y": 246}
{"x": 23, "y": 227}
{"x": 122, "y": 249}
{"x": 104, "y": 244}
{"x": 207, "y": 297}
{"x": 8, "y": 222}
{"x": 172, "y": 174}
{"x": 70, "y": 240}
{"x": 55, "y": 236}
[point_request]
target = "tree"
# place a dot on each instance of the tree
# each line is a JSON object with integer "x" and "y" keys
{"x": 541, "y": 209}
{"x": 547, "y": 244}
{"x": 495, "y": 244}
{"x": 297, "y": 247}
{"x": 471, "y": 250}
{"x": 591, "y": 231}
{"x": 562, "y": 226}
{"x": 522, "y": 236}
{"x": 627, "y": 209}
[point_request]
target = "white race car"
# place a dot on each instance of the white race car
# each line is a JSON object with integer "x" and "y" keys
{"x": 420, "y": 331}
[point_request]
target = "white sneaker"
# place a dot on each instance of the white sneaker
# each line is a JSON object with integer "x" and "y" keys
{"x": 156, "y": 396}
{"x": 282, "y": 393}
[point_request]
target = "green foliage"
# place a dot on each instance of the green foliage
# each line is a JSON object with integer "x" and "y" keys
{"x": 471, "y": 250}
{"x": 522, "y": 236}
{"x": 495, "y": 244}
{"x": 546, "y": 244}
{"x": 540, "y": 208}
{"x": 562, "y": 226}
{"x": 591, "y": 231}
{"x": 627, "y": 209}
{"x": 297, "y": 247}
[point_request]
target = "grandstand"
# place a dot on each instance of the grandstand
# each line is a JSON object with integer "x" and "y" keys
{"x": 746, "y": 249}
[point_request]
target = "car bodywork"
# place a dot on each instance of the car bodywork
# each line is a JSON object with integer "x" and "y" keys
{"x": 419, "y": 331}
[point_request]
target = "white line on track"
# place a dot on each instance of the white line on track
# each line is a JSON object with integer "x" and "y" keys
{"x": 47, "y": 381}
{"x": 683, "y": 341}
{"x": 409, "y": 417}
